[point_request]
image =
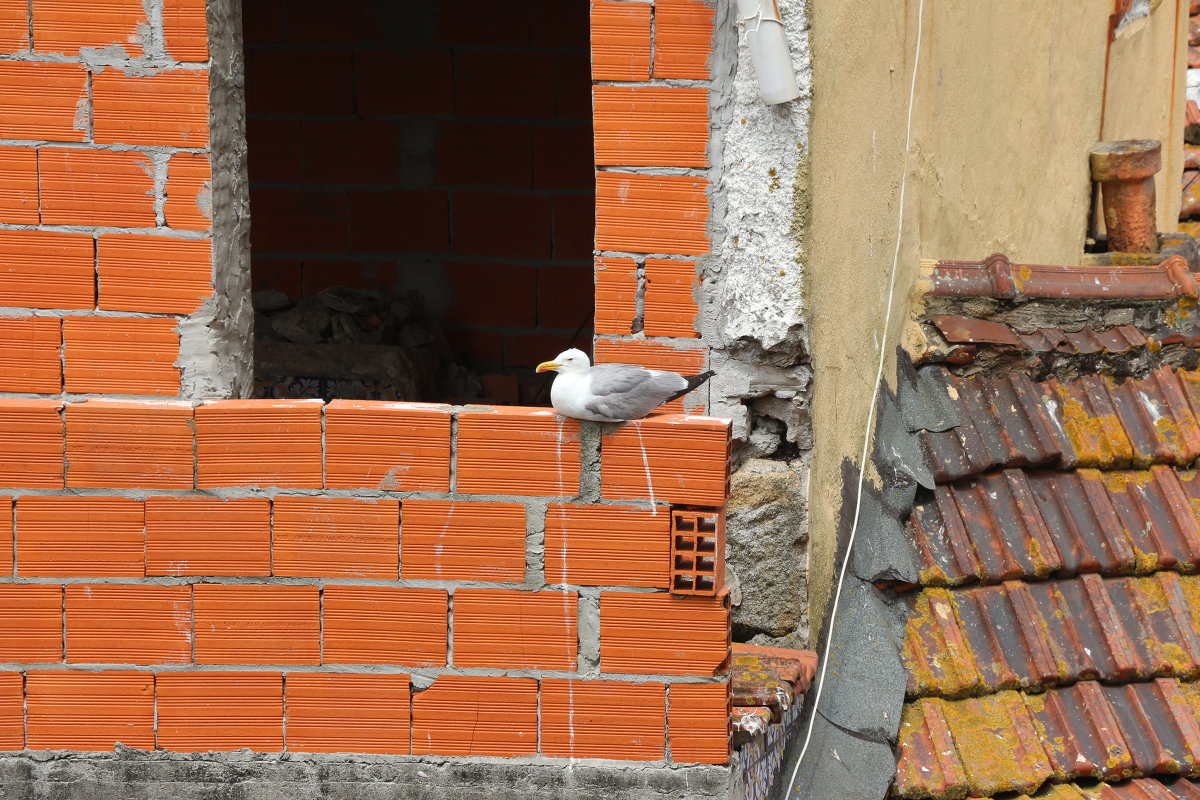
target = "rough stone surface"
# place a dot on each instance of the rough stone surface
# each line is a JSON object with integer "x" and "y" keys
{"x": 215, "y": 348}
{"x": 766, "y": 528}
{"x": 137, "y": 775}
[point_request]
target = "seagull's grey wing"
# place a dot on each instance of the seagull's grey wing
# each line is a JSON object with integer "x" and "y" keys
{"x": 626, "y": 391}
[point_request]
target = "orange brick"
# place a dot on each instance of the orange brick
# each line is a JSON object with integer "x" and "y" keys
{"x": 670, "y": 307}
{"x": 683, "y": 32}
{"x": 14, "y": 28}
{"x": 347, "y": 713}
{"x": 31, "y": 453}
{"x": 651, "y": 213}
{"x": 698, "y": 720}
{"x": 385, "y": 625}
{"x": 656, "y": 355}
{"x": 31, "y": 623}
{"x": 650, "y": 126}
{"x": 620, "y": 41}
{"x": 259, "y": 443}
{"x": 252, "y": 624}
{"x": 200, "y": 711}
{"x": 687, "y": 458}
{"x": 514, "y": 450}
{"x": 396, "y": 446}
{"x": 96, "y": 187}
{"x": 80, "y": 537}
{"x": 616, "y": 295}
{"x": 154, "y": 273}
{"x": 41, "y": 101}
{"x": 7, "y": 542}
{"x": 45, "y": 269}
{"x": 121, "y": 355}
{"x": 65, "y": 26}
{"x": 513, "y": 629}
{"x": 208, "y": 536}
{"x": 608, "y": 546}
{"x": 189, "y": 192}
{"x": 12, "y": 711}
{"x": 663, "y": 634}
{"x": 470, "y": 716}
{"x": 186, "y": 29}
{"x": 114, "y": 624}
{"x": 129, "y": 444}
{"x": 166, "y": 108}
{"x": 18, "y": 182}
{"x": 71, "y": 710}
{"x": 31, "y": 359}
{"x": 603, "y": 719}
{"x": 472, "y": 541}
{"x": 336, "y": 536}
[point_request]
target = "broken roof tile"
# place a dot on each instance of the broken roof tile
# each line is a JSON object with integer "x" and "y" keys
{"x": 969, "y": 330}
{"x": 997, "y": 277}
{"x": 959, "y": 329}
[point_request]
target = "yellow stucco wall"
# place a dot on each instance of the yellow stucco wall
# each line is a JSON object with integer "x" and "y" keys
{"x": 1008, "y": 101}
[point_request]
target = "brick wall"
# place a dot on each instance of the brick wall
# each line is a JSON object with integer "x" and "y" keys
{"x": 386, "y": 578}
{"x": 447, "y": 150}
{"x": 176, "y": 576}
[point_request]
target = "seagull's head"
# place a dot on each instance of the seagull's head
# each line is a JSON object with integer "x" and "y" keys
{"x": 567, "y": 361}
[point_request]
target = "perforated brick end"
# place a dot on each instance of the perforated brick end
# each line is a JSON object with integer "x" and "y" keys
{"x": 697, "y": 551}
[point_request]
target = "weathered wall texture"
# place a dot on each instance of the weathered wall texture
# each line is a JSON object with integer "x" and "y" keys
{"x": 752, "y": 318}
{"x": 1007, "y": 103}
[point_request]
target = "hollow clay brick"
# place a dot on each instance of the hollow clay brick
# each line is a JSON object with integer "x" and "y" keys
{"x": 200, "y": 711}
{"x": 75, "y": 710}
{"x": 208, "y": 536}
{"x": 18, "y": 181}
{"x": 156, "y": 274}
{"x": 335, "y": 537}
{"x": 347, "y": 713}
{"x": 476, "y": 716}
{"x": 384, "y": 625}
{"x": 166, "y": 108}
{"x": 128, "y": 624}
{"x": 257, "y": 624}
{"x": 517, "y": 450}
{"x": 129, "y": 444}
{"x": 31, "y": 450}
{"x": 513, "y": 629}
{"x": 98, "y": 537}
{"x": 96, "y": 187}
{"x": 31, "y": 623}
{"x": 47, "y": 269}
{"x": 603, "y": 719}
{"x": 608, "y": 546}
{"x": 121, "y": 355}
{"x": 393, "y": 446}
{"x": 40, "y": 101}
{"x": 31, "y": 359}
{"x": 476, "y": 541}
{"x": 259, "y": 443}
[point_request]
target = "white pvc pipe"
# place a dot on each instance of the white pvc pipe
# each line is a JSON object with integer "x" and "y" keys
{"x": 769, "y": 52}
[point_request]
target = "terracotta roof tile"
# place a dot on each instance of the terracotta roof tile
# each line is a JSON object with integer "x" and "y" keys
{"x": 998, "y": 277}
{"x": 960, "y": 329}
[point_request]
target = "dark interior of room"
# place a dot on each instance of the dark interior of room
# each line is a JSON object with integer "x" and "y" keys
{"x": 422, "y": 196}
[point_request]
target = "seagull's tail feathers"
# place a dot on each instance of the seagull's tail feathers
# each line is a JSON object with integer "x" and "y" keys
{"x": 693, "y": 381}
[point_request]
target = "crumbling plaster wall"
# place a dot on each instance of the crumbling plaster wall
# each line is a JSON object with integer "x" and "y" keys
{"x": 753, "y": 319}
{"x": 1006, "y": 104}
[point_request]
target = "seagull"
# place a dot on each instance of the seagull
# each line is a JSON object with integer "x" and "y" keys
{"x": 612, "y": 392}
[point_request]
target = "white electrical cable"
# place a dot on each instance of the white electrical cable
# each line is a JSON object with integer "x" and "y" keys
{"x": 862, "y": 471}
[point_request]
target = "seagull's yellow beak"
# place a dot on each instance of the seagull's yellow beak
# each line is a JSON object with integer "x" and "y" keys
{"x": 547, "y": 366}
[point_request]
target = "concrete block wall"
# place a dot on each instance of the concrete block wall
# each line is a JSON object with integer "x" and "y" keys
{"x": 651, "y": 119}
{"x": 106, "y": 248}
{"x": 360, "y": 577}
{"x": 386, "y": 153}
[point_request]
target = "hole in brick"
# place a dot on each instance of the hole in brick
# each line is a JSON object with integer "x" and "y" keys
{"x": 683, "y": 562}
{"x": 420, "y": 231}
{"x": 685, "y": 543}
{"x": 705, "y": 584}
{"x": 707, "y": 524}
{"x": 683, "y": 583}
{"x": 706, "y": 564}
{"x": 684, "y": 523}
{"x": 706, "y": 544}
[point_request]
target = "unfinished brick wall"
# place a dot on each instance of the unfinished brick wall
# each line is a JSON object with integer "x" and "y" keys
{"x": 350, "y": 577}
{"x": 445, "y": 149}
{"x": 175, "y": 577}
